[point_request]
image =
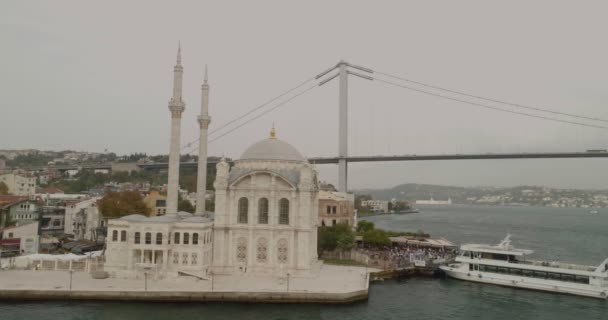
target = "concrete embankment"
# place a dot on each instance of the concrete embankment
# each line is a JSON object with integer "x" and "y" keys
{"x": 163, "y": 296}
{"x": 331, "y": 284}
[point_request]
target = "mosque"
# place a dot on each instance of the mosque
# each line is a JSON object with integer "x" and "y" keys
{"x": 265, "y": 220}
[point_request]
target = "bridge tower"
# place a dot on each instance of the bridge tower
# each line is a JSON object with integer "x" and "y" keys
{"x": 343, "y": 73}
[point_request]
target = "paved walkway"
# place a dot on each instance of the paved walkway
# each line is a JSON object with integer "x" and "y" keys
{"x": 331, "y": 279}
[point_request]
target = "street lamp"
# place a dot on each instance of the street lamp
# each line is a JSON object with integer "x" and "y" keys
{"x": 212, "y": 277}
{"x": 146, "y": 280}
{"x": 71, "y": 272}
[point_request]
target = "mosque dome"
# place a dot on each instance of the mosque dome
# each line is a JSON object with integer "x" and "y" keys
{"x": 272, "y": 149}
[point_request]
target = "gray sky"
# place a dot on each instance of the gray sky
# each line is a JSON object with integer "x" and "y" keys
{"x": 97, "y": 75}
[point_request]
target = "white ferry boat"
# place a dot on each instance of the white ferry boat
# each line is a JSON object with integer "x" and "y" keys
{"x": 507, "y": 266}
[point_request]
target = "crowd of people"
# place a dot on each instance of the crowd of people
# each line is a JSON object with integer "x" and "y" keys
{"x": 404, "y": 255}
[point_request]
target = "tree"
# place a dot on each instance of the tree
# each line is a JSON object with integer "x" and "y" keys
{"x": 6, "y": 220}
{"x": 118, "y": 204}
{"x": 185, "y": 205}
{"x": 376, "y": 237}
{"x": 338, "y": 237}
{"x": 3, "y": 188}
{"x": 365, "y": 226}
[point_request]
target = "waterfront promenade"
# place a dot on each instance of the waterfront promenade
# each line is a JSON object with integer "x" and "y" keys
{"x": 333, "y": 284}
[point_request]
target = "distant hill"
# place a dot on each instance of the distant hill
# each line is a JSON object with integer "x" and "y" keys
{"x": 413, "y": 191}
{"x": 520, "y": 195}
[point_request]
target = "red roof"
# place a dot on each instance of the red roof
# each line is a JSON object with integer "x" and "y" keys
{"x": 10, "y": 199}
{"x": 50, "y": 190}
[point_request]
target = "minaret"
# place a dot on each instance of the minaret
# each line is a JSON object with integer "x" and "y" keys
{"x": 176, "y": 106}
{"x": 203, "y": 120}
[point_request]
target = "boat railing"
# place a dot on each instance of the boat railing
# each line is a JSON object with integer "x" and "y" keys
{"x": 555, "y": 264}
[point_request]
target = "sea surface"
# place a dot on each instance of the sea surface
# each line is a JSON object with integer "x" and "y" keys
{"x": 570, "y": 235}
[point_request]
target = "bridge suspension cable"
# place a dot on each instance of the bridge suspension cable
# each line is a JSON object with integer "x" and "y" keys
{"x": 488, "y": 106}
{"x": 249, "y": 112}
{"x": 492, "y": 100}
{"x": 259, "y": 115}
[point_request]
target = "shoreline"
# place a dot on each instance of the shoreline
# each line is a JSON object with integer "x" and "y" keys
{"x": 330, "y": 285}
{"x": 186, "y": 296}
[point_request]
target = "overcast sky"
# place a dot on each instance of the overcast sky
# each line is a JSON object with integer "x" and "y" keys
{"x": 96, "y": 75}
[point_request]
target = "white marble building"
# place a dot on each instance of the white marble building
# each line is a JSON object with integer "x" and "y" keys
{"x": 266, "y": 212}
{"x": 162, "y": 245}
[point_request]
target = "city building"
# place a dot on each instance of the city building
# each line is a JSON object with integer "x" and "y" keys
{"x": 19, "y": 185}
{"x": 83, "y": 220}
{"x": 336, "y": 207}
{"x": 20, "y": 239}
{"x": 266, "y": 212}
{"x": 375, "y": 205}
{"x": 52, "y": 220}
{"x": 22, "y": 211}
{"x": 156, "y": 202}
{"x": 433, "y": 201}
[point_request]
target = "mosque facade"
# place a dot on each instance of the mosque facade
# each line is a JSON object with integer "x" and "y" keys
{"x": 265, "y": 220}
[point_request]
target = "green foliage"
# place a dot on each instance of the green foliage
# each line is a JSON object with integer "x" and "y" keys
{"x": 339, "y": 237}
{"x": 3, "y": 188}
{"x": 86, "y": 180}
{"x": 34, "y": 159}
{"x": 6, "y": 220}
{"x": 185, "y": 205}
{"x": 210, "y": 206}
{"x": 400, "y": 206}
{"x": 118, "y": 204}
{"x": 364, "y": 226}
{"x": 376, "y": 237}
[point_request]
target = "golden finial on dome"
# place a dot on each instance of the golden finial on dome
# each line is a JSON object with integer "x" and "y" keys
{"x": 273, "y": 132}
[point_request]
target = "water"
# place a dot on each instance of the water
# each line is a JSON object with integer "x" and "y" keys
{"x": 571, "y": 234}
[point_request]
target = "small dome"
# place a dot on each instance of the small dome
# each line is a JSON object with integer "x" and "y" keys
{"x": 272, "y": 149}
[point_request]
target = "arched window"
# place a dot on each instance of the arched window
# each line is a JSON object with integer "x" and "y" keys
{"x": 243, "y": 210}
{"x": 148, "y": 238}
{"x": 123, "y": 235}
{"x": 115, "y": 235}
{"x": 195, "y": 238}
{"x": 137, "y": 236}
{"x": 263, "y": 211}
{"x": 176, "y": 240}
{"x": 283, "y": 211}
{"x": 159, "y": 238}
{"x": 186, "y": 238}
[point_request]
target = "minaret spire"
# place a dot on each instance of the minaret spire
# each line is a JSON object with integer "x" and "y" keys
{"x": 203, "y": 120}
{"x": 176, "y": 107}
{"x": 179, "y": 53}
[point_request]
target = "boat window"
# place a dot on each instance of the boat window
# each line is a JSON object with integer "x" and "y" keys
{"x": 553, "y": 276}
{"x": 502, "y": 270}
{"x": 568, "y": 277}
{"x": 470, "y": 266}
{"x": 516, "y": 272}
{"x": 482, "y": 267}
{"x": 490, "y": 268}
{"x": 540, "y": 274}
{"x": 582, "y": 279}
{"x": 528, "y": 273}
